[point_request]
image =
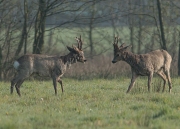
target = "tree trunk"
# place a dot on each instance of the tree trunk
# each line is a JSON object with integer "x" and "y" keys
{"x": 24, "y": 32}
{"x": 141, "y": 20}
{"x": 91, "y": 41}
{"x": 161, "y": 25}
{"x": 153, "y": 39}
{"x": 139, "y": 36}
{"x": 179, "y": 61}
{"x": 131, "y": 26}
{"x": 179, "y": 57}
{"x": 1, "y": 61}
{"x": 91, "y": 30}
{"x": 39, "y": 28}
{"x": 132, "y": 37}
{"x": 25, "y": 25}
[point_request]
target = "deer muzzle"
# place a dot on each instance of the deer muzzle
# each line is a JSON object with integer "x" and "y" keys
{"x": 114, "y": 61}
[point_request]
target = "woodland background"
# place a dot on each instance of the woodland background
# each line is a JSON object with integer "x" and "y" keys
{"x": 48, "y": 26}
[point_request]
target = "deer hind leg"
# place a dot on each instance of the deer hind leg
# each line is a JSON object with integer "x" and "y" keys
{"x": 18, "y": 84}
{"x": 60, "y": 82}
{"x": 134, "y": 76}
{"x": 18, "y": 80}
{"x": 167, "y": 73}
{"x": 14, "y": 82}
{"x": 163, "y": 76}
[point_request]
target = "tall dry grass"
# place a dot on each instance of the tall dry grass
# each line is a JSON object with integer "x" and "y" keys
{"x": 102, "y": 67}
{"x": 98, "y": 67}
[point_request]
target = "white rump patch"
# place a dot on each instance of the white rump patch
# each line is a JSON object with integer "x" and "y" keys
{"x": 16, "y": 64}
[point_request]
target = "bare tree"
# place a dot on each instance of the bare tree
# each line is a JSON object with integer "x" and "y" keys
{"x": 131, "y": 25}
{"x": 23, "y": 39}
{"x": 179, "y": 56}
{"x": 92, "y": 17}
{"x": 39, "y": 27}
{"x": 161, "y": 25}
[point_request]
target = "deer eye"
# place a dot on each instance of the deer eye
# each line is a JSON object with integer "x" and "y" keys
{"x": 117, "y": 55}
{"x": 80, "y": 57}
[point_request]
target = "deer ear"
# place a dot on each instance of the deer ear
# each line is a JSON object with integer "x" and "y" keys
{"x": 75, "y": 48}
{"x": 122, "y": 45}
{"x": 70, "y": 49}
{"x": 127, "y": 47}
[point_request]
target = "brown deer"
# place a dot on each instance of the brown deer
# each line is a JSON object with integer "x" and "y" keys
{"x": 158, "y": 61}
{"x": 46, "y": 66}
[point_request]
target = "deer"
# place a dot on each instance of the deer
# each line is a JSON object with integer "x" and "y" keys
{"x": 46, "y": 66}
{"x": 157, "y": 61}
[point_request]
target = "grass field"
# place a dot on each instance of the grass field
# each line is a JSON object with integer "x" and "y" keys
{"x": 90, "y": 104}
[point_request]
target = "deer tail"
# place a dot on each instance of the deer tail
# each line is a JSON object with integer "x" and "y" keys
{"x": 16, "y": 64}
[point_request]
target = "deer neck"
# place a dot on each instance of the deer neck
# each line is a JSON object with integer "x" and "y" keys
{"x": 131, "y": 58}
{"x": 68, "y": 59}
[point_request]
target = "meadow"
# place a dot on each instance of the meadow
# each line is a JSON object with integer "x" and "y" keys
{"x": 90, "y": 104}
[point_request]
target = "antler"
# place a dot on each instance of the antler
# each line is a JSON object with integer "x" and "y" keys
{"x": 122, "y": 45}
{"x": 116, "y": 40}
{"x": 79, "y": 42}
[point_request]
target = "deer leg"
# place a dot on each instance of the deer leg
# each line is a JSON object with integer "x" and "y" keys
{"x": 18, "y": 80}
{"x": 169, "y": 80}
{"x": 14, "y": 82}
{"x": 134, "y": 76}
{"x": 149, "y": 81}
{"x": 60, "y": 81}
{"x": 12, "y": 85}
{"x": 18, "y": 84}
{"x": 55, "y": 85}
{"x": 18, "y": 91}
{"x": 163, "y": 76}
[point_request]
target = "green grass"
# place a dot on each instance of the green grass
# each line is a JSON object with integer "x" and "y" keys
{"x": 90, "y": 104}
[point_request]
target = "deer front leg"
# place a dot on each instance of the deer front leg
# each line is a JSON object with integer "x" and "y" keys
{"x": 149, "y": 80}
{"x": 134, "y": 76}
{"x": 60, "y": 81}
{"x": 55, "y": 85}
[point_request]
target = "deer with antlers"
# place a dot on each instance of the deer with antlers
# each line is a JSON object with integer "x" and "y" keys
{"x": 46, "y": 66}
{"x": 158, "y": 61}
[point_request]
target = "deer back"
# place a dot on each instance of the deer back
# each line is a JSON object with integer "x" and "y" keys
{"x": 43, "y": 65}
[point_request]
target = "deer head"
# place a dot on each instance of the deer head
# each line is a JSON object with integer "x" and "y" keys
{"x": 119, "y": 51}
{"x": 77, "y": 52}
